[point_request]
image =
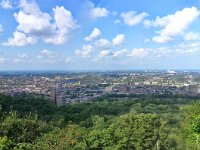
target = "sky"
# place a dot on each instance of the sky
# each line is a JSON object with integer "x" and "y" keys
{"x": 99, "y": 34}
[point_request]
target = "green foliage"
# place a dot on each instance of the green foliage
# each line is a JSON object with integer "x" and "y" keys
{"x": 70, "y": 137}
{"x": 189, "y": 127}
{"x": 25, "y": 104}
{"x": 81, "y": 112}
{"x": 23, "y": 146}
{"x": 5, "y": 143}
{"x": 22, "y": 130}
{"x": 127, "y": 132}
{"x": 196, "y": 124}
{"x": 146, "y": 123}
{"x": 143, "y": 131}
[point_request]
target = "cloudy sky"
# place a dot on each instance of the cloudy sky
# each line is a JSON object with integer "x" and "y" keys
{"x": 99, "y": 34}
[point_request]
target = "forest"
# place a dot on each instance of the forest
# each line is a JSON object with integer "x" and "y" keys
{"x": 28, "y": 122}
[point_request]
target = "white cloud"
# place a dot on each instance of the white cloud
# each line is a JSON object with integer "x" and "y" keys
{"x": 160, "y": 52}
{"x": 46, "y": 52}
{"x": 173, "y": 25}
{"x": 120, "y": 53}
{"x": 162, "y": 39}
{"x": 29, "y": 7}
{"x": 191, "y": 36}
{"x": 6, "y": 4}
{"x": 187, "y": 52}
{"x": 103, "y": 54}
{"x": 131, "y": 18}
{"x": 172, "y": 51}
{"x": 38, "y": 25}
{"x": 119, "y": 39}
{"x": 103, "y": 44}
{"x": 95, "y": 33}
{"x": 19, "y": 39}
{"x": 64, "y": 23}
{"x": 138, "y": 52}
{"x": 85, "y": 52}
{"x": 48, "y": 56}
{"x": 1, "y": 28}
{"x": 98, "y": 12}
{"x": 187, "y": 48}
{"x": 158, "y": 22}
{"x": 34, "y": 24}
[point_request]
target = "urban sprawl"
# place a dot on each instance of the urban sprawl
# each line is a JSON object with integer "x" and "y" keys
{"x": 78, "y": 87}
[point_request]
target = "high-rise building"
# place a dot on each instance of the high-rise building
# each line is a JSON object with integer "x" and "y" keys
{"x": 53, "y": 96}
{"x": 59, "y": 100}
{"x": 57, "y": 97}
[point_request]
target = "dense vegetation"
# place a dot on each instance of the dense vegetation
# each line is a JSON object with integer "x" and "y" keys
{"x": 145, "y": 123}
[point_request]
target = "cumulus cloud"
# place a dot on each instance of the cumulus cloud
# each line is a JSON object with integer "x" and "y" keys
{"x": 138, "y": 52}
{"x": 173, "y": 25}
{"x": 6, "y": 4}
{"x": 36, "y": 25}
{"x": 191, "y": 36}
{"x": 131, "y": 18}
{"x": 85, "y": 52}
{"x": 19, "y": 39}
{"x": 97, "y": 12}
{"x": 46, "y": 52}
{"x": 95, "y": 33}
{"x": 103, "y": 54}
{"x": 47, "y": 56}
{"x": 120, "y": 53}
{"x": 151, "y": 52}
{"x": 119, "y": 39}
{"x": 32, "y": 21}
{"x": 103, "y": 44}
{"x": 64, "y": 24}
{"x": 187, "y": 48}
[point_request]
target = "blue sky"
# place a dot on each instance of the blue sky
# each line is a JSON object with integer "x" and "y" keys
{"x": 99, "y": 34}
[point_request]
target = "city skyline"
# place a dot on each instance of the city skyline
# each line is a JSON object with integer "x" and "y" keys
{"x": 99, "y": 35}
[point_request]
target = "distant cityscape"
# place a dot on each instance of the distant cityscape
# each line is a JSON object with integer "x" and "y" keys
{"x": 63, "y": 88}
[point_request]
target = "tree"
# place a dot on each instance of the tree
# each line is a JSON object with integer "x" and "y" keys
{"x": 71, "y": 137}
{"x": 196, "y": 129}
{"x": 23, "y": 130}
{"x": 5, "y": 143}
